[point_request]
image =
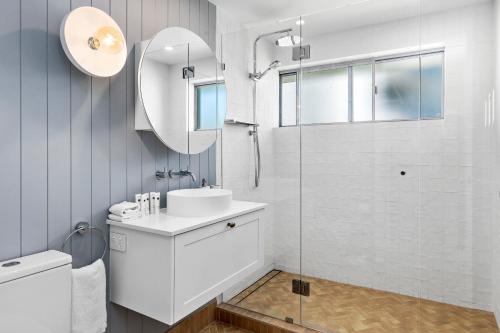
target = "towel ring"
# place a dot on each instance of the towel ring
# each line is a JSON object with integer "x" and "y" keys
{"x": 81, "y": 228}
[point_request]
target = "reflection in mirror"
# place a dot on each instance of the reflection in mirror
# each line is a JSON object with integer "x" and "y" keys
{"x": 182, "y": 90}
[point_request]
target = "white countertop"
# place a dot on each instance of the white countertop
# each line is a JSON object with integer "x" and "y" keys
{"x": 169, "y": 225}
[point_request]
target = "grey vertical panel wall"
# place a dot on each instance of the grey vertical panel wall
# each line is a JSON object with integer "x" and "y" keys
{"x": 68, "y": 144}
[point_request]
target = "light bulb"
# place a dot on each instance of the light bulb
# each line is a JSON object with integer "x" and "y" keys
{"x": 107, "y": 39}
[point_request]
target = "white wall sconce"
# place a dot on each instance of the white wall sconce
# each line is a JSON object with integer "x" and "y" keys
{"x": 93, "y": 42}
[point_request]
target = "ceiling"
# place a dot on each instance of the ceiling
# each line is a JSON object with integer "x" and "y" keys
{"x": 322, "y": 16}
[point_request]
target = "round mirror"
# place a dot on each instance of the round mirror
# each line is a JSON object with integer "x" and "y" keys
{"x": 182, "y": 90}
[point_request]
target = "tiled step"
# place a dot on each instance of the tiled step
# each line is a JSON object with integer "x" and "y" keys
{"x": 220, "y": 327}
{"x": 255, "y": 322}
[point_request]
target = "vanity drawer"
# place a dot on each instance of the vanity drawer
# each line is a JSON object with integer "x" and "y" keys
{"x": 211, "y": 259}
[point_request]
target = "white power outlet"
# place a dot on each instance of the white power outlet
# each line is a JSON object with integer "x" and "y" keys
{"x": 118, "y": 242}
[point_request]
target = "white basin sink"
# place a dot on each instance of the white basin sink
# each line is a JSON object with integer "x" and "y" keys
{"x": 198, "y": 202}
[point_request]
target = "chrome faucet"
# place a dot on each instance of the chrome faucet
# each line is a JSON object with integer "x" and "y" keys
{"x": 161, "y": 174}
{"x": 182, "y": 173}
{"x": 170, "y": 173}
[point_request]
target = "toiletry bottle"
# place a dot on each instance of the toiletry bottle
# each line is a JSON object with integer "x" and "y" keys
{"x": 145, "y": 204}
{"x": 152, "y": 202}
{"x": 157, "y": 205}
{"x": 138, "y": 201}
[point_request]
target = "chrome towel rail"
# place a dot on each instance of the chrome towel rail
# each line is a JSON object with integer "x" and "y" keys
{"x": 81, "y": 228}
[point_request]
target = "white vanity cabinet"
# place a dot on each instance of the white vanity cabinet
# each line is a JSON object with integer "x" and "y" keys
{"x": 165, "y": 267}
{"x": 210, "y": 260}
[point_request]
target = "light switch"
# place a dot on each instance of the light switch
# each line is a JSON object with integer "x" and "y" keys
{"x": 118, "y": 242}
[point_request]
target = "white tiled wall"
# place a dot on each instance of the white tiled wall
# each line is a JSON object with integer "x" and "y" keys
{"x": 428, "y": 233}
{"x": 238, "y": 148}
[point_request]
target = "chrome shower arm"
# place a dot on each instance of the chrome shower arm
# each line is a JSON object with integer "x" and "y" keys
{"x": 284, "y": 31}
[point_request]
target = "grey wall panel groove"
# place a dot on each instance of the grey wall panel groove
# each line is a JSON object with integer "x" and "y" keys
{"x": 134, "y": 144}
{"x": 68, "y": 144}
{"x": 10, "y": 128}
{"x": 100, "y": 152}
{"x": 194, "y": 15}
{"x": 34, "y": 126}
{"x": 203, "y": 24}
{"x": 81, "y": 156}
{"x": 118, "y": 117}
{"x": 59, "y": 135}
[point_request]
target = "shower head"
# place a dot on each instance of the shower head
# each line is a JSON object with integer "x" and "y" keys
{"x": 260, "y": 75}
{"x": 274, "y": 64}
{"x": 288, "y": 40}
{"x": 256, "y": 76}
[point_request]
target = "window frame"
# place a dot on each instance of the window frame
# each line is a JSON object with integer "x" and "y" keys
{"x": 360, "y": 62}
{"x": 195, "y": 104}
{"x": 281, "y": 94}
{"x": 443, "y": 90}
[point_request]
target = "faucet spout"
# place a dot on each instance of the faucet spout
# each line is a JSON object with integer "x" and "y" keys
{"x": 182, "y": 173}
{"x": 193, "y": 176}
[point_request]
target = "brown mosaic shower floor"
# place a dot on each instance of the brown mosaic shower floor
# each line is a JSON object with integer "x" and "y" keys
{"x": 342, "y": 308}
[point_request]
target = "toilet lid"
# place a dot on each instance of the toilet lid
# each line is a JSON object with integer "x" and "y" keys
{"x": 32, "y": 264}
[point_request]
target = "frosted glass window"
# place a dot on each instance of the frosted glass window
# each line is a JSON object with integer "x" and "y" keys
{"x": 397, "y": 94}
{"x": 209, "y": 98}
{"x": 432, "y": 86}
{"x": 405, "y": 88}
{"x": 362, "y": 93}
{"x": 288, "y": 95}
{"x": 325, "y": 96}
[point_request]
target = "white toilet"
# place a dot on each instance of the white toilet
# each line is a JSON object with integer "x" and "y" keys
{"x": 35, "y": 293}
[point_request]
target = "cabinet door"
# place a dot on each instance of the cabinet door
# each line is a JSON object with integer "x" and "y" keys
{"x": 211, "y": 259}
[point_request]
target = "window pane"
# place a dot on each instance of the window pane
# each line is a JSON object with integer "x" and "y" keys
{"x": 362, "y": 97}
{"x": 209, "y": 98}
{"x": 398, "y": 86}
{"x": 432, "y": 86}
{"x": 325, "y": 97}
{"x": 288, "y": 99}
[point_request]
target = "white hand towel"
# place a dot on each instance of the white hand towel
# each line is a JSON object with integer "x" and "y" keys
{"x": 117, "y": 218}
{"x": 89, "y": 299}
{"x": 124, "y": 208}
